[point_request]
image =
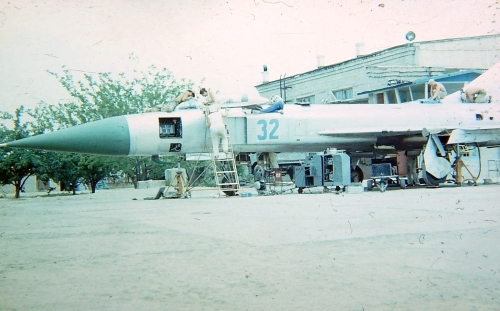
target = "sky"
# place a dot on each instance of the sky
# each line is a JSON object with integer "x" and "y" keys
{"x": 224, "y": 42}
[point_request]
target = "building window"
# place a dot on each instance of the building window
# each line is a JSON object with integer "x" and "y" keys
{"x": 344, "y": 94}
{"x": 392, "y": 97}
{"x": 308, "y": 99}
{"x": 380, "y": 98}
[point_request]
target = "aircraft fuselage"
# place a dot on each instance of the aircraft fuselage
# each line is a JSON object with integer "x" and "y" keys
{"x": 354, "y": 128}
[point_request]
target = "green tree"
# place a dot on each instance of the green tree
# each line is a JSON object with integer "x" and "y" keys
{"x": 94, "y": 168}
{"x": 142, "y": 168}
{"x": 63, "y": 168}
{"x": 17, "y": 165}
{"x": 104, "y": 95}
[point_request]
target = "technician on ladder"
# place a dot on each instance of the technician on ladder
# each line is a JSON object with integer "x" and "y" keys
{"x": 217, "y": 128}
{"x": 224, "y": 165}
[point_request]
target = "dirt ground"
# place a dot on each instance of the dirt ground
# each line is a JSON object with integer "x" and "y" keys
{"x": 414, "y": 249}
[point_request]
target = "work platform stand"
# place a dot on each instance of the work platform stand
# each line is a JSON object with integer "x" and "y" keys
{"x": 177, "y": 179}
{"x": 225, "y": 170}
{"x": 274, "y": 183}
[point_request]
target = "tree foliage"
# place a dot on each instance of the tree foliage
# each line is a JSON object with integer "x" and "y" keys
{"x": 17, "y": 165}
{"x": 94, "y": 168}
{"x": 104, "y": 95}
{"x": 63, "y": 168}
{"x": 93, "y": 97}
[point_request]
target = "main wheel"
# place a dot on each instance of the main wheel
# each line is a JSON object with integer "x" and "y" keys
{"x": 356, "y": 175}
{"x": 429, "y": 179}
{"x": 259, "y": 173}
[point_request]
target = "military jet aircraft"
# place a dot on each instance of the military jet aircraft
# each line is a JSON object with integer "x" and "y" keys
{"x": 419, "y": 127}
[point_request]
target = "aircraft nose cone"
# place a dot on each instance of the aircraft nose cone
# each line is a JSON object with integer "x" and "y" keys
{"x": 106, "y": 137}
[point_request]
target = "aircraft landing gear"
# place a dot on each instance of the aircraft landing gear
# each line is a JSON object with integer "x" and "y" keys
{"x": 435, "y": 166}
{"x": 356, "y": 175}
{"x": 429, "y": 179}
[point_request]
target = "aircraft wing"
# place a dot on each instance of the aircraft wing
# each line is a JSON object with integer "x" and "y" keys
{"x": 375, "y": 131}
{"x": 484, "y": 135}
{"x": 481, "y": 136}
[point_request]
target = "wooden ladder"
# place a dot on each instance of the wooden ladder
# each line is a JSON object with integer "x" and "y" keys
{"x": 225, "y": 170}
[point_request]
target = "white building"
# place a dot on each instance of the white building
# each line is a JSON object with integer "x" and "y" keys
{"x": 371, "y": 78}
{"x": 399, "y": 74}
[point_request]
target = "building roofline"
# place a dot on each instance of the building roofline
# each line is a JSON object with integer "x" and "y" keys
{"x": 378, "y": 52}
{"x": 424, "y": 80}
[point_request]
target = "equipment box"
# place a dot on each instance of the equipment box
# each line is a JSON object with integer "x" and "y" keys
{"x": 382, "y": 169}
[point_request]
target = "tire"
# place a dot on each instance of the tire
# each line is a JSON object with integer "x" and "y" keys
{"x": 429, "y": 179}
{"x": 356, "y": 175}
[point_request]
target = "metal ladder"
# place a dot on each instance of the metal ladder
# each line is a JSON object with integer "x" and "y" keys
{"x": 225, "y": 171}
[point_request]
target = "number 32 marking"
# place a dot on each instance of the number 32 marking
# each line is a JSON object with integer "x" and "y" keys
{"x": 273, "y": 126}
